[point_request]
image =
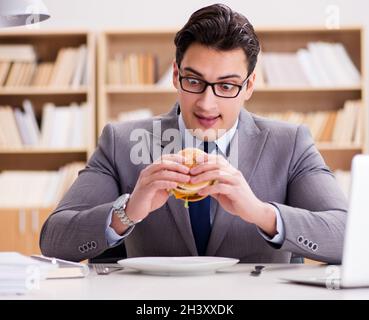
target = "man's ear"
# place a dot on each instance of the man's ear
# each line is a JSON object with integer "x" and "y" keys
{"x": 175, "y": 74}
{"x": 250, "y": 86}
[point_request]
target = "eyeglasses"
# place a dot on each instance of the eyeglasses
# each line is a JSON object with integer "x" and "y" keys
{"x": 220, "y": 89}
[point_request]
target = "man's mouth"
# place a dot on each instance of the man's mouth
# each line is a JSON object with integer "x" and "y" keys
{"x": 207, "y": 121}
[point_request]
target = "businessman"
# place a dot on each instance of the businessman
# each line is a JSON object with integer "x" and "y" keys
{"x": 273, "y": 197}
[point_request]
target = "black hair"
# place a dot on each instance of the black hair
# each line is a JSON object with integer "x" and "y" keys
{"x": 219, "y": 27}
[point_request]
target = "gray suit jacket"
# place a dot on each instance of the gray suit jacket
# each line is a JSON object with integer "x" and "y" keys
{"x": 278, "y": 160}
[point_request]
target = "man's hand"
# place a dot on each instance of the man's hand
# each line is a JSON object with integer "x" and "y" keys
{"x": 233, "y": 192}
{"x": 150, "y": 192}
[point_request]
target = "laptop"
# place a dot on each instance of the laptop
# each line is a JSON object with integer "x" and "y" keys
{"x": 354, "y": 271}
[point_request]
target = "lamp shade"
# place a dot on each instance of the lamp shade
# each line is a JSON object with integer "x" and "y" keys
{"x": 22, "y": 12}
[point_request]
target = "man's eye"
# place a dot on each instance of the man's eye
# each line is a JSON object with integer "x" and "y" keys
{"x": 192, "y": 81}
{"x": 226, "y": 86}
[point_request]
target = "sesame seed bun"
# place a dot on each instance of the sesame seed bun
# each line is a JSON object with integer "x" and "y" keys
{"x": 188, "y": 191}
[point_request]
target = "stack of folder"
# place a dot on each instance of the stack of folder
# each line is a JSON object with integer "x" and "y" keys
{"x": 20, "y": 274}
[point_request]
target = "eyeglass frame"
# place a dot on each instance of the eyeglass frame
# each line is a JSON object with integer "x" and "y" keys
{"x": 212, "y": 84}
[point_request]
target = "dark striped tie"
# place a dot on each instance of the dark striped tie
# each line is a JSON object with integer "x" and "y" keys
{"x": 200, "y": 219}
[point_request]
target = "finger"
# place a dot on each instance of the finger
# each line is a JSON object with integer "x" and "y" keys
{"x": 218, "y": 188}
{"x": 210, "y": 158}
{"x": 162, "y": 185}
{"x": 172, "y": 157}
{"x": 213, "y": 160}
{"x": 212, "y": 166}
{"x": 165, "y": 165}
{"x": 168, "y": 176}
{"x": 217, "y": 174}
{"x": 204, "y": 167}
{"x": 206, "y": 158}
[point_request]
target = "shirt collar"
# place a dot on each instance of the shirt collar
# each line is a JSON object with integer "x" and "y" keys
{"x": 188, "y": 142}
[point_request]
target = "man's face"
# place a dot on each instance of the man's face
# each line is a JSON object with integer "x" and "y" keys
{"x": 206, "y": 111}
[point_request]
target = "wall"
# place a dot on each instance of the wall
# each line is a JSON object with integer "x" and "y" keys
{"x": 99, "y": 14}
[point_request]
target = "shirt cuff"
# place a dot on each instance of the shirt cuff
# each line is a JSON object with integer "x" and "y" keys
{"x": 279, "y": 237}
{"x": 112, "y": 237}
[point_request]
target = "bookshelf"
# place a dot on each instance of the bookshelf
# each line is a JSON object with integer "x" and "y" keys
{"x": 323, "y": 98}
{"x": 116, "y": 98}
{"x": 21, "y": 225}
{"x": 47, "y": 45}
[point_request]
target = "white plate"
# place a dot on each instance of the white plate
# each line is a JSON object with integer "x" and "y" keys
{"x": 177, "y": 265}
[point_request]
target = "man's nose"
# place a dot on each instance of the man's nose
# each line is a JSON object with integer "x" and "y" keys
{"x": 207, "y": 98}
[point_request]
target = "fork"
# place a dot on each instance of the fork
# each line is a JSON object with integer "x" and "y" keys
{"x": 106, "y": 268}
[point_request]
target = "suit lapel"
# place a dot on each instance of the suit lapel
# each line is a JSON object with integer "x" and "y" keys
{"x": 245, "y": 151}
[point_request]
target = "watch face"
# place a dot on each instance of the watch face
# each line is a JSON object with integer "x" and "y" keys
{"x": 121, "y": 201}
{"x": 119, "y": 206}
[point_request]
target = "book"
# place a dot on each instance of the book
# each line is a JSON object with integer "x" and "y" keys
{"x": 326, "y": 135}
{"x": 319, "y": 64}
{"x": 351, "y": 70}
{"x": 343, "y": 126}
{"x": 42, "y": 74}
{"x": 283, "y": 69}
{"x": 8, "y": 126}
{"x": 36, "y": 189}
{"x": 80, "y": 67}
{"x": 58, "y": 70}
{"x": 132, "y": 69}
{"x": 4, "y": 70}
{"x": 166, "y": 80}
{"x": 17, "y": 52}
{"x": 47, "y": 124}
{"x": 65, "y": 269}
{"x": 31, "y": 122}
{"x": 22, "y": 127}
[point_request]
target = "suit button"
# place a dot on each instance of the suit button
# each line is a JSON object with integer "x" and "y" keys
{"x": 306, "y": 242}
{"x": 300, "y": 239}
{"x": 85, "y": 247}
{"x": 93, "y": 244}
{"x": 310, "y": 245}
{"x": 315, "y": 247}
{"x": 80, "y": 248}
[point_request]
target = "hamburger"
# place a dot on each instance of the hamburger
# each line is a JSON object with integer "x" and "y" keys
{"x": 189, "y": 191}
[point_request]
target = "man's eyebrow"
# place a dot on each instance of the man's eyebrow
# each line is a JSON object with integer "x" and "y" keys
{"x": 193, "y": 71}
{"x": 219, "y": 78}
{"x": 229, "y": 76}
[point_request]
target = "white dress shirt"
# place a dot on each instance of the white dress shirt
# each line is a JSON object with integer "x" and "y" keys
{"x": 222, "y": 143}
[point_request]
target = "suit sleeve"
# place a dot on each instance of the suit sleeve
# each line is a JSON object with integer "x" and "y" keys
{"x": 76, "y": 229}
{"x": 314, "y": 215}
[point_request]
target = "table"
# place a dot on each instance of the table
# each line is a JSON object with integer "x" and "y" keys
{"x": 234, "y": 283}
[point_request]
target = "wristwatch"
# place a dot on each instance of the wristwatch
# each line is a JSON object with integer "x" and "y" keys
{"x": 119, "y": 207}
